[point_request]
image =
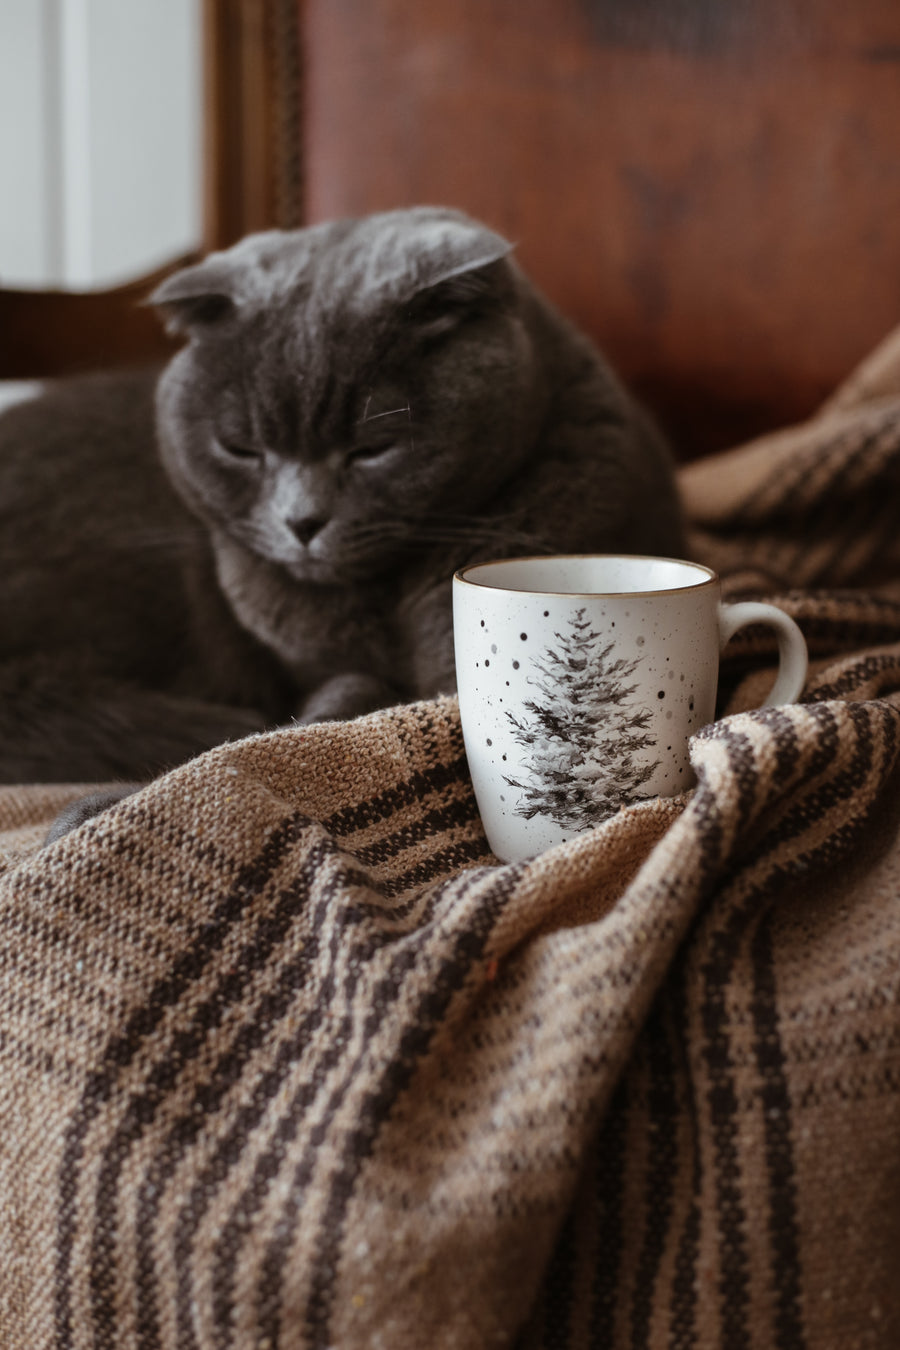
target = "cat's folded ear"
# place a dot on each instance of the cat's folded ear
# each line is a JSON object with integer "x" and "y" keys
{"x": 197, "y": 298}
{"x": 478, "y": 281}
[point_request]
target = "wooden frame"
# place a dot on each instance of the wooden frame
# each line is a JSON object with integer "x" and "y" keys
{"x": 48, "y": 333}
{"x": 252, "y": 116}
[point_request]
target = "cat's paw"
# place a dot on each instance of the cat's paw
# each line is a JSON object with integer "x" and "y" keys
{"x": 346, "y": 696}
{"x": 85, "y": 808}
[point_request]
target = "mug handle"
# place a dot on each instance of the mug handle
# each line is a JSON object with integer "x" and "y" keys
{"x": 792, "y": 656}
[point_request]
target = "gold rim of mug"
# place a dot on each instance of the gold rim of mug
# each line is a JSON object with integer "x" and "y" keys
{"x": 711, "y": 577}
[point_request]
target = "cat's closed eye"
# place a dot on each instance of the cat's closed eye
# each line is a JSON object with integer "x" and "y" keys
{"x": 235, "y": 450}
{"x": 370, "y": 454}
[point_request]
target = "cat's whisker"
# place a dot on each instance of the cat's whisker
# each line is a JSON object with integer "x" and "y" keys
{"x": 421, "y": 535}
{"x": 174, "y": 543}
{"x": 390, "y": 413}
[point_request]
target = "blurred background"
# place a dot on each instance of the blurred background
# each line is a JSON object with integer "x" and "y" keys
{"x": 710, "y": 190}
{"x": 100, "y": 139}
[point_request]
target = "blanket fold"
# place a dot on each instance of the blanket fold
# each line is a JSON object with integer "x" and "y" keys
{"x": 290, "y": 1060}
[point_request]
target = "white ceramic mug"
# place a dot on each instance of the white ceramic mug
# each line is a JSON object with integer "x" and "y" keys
{"x": 581, "y": 680}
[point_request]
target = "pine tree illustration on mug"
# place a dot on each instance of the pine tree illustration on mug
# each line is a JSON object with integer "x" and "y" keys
{"x": 581, "y": 732}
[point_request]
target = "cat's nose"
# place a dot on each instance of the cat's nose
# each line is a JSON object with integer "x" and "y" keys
{"x": 306, "y": 529}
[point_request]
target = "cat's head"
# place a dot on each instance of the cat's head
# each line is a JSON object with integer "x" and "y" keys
{"x": 351, "y": 391}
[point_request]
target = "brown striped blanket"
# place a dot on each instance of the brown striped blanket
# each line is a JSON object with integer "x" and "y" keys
{"x": 289, "y": 1060}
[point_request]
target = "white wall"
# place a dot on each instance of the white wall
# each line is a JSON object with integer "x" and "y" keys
{"x": 28, "y": 217}
{"x": 100, "y": 126}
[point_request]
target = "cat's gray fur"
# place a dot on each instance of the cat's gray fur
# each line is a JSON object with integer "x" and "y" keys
{"x": 362, "y": 407}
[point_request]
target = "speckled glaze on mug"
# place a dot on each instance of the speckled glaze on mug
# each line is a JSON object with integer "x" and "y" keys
{"x": 581, "y": 680}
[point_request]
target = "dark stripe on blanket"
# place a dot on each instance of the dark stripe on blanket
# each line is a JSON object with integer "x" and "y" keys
{"x": 325, "y": 940}
{"x": 229, "y": 1150}
{"x": 175, "y": 1059}
{"x": 430, "y": 825}
{"x": 441, "y": 864}
{"x": 330, "y": 1056}
{"x": 871, "y": 668}
{"x": 559, "y": 1280}
{"x": 683, "y": 1305}
{"x": 818, "y": 474}
{"x": 408, "y": 793}
{"x": 871, "y": 762}
{"x": 345, "y": 952}
{"x": 351, "y": 955}
{"x": 610, "y": 1155}
{"x": 125, "y": 1047}
{"x": 723, "y": 1105}
{"x": 779, "y": 1152}
{"x": 722, "y": 1097}
{"x": 384, "y": 994}
{"x": 209, "y": 1095}
{"x": 468, "y": 948}
{"x": 662, "y": 1165}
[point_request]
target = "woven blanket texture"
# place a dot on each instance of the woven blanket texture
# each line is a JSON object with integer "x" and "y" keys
{"x": 290, "y": 1060}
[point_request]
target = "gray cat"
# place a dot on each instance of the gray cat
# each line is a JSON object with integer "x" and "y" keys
{"x": 361, "y": 408}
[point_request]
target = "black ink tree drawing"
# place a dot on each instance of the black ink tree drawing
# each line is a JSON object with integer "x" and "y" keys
{"x": 581, "y": 732}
